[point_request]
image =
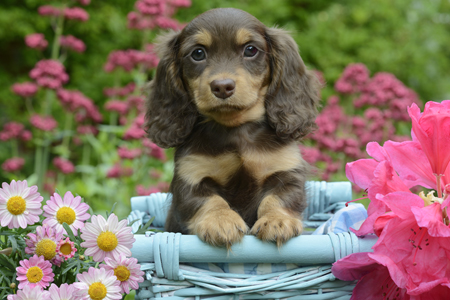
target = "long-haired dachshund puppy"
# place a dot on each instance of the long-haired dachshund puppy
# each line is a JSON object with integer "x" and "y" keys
{"x": 233, "y": 97}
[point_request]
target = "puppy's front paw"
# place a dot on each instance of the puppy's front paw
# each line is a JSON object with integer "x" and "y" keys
{"x": 222, "y": 227}
{"x": 276, "y": 227}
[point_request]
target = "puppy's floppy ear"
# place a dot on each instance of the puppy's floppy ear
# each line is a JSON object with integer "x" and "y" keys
{"x": 170, "y": 113}
{"x": 293, "y": 94}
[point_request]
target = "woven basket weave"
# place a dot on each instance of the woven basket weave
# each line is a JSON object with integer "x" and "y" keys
{"x": 183, "y": 267}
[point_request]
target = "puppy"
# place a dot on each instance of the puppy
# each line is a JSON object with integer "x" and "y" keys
{"x": 233, "y": 97}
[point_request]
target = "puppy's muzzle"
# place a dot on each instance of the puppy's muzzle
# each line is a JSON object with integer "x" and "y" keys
{"x": 223, "y": 88}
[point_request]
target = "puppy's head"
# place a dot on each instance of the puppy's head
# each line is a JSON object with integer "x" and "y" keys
{"x": 229, "y": 67}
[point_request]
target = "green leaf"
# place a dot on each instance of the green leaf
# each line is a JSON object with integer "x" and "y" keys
{"x": 13, "y": 241}
{"x": 144, "y": 228}
{"x": 112, "y": 210}
{"x": 69, "y": 231}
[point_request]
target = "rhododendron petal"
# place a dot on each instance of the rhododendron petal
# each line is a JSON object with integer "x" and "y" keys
{"x": 401, "y": 202}
{"x": 381, "y": 222}
{"x": 376, "y": 151}
{"x": 432, "y": 130}
{"x": 360, "y": 172}
{"x": 353, "y": 266}
{"x": 411, "y": 163}
{"x": 430, "y": 217}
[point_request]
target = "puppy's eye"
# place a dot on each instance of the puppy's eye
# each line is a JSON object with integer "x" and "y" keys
{"x": 250, "y": 51}
{"x": 198, "y": 54}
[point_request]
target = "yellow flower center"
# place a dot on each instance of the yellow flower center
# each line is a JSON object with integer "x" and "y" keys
{"x": 46, "y": 248}
{"x": 97, "y": 291}
{"x": 122, "y": 273}
{"x": 65, "y": 249}
{"x": 66, "y": 214}
{"x": 16, "y": 205}
{"x": 34, "y": 274}
{"x": 107, "y": 241}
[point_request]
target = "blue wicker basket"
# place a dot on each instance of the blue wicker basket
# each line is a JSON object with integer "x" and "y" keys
{"x": 180, "y": 267}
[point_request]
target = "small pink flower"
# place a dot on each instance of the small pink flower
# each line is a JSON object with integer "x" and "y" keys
{"x": 167, "y": 23}
{"x": 25, "y": 89}
{"x": 119, "y": 171}
{"x": 84, "y": 2}
{"x": 126, "y": 153}
{"x": 154, "y": 150}
{"x": 150, "y": 7}
{"x": 35, "y": 271}
{"x": 13, "y": 164}
{"x": 27, "y": 293}
{"x": 48, "y": 10}
{"x": 97, "y": 284}
{"x": 127, "y": 271}
{"x": 11, "y": 130}
{"x": 76, "y": 13}
{"x": 36, "y": 41}
{"x": 49, "y": 73}
{"x": 143, "y": 191}
{"x": 77, "y": 102}
{"x": 64, "y": 165}
{"x": 134, "y": 132}
{"x": 66, "y": 248}
{"x": 72, "y": 43}
{"x": 120, "y": 91}
{"x": 117, "y": 106}
{"x": 87, "y": 129}
{"x": 45, "y": 123}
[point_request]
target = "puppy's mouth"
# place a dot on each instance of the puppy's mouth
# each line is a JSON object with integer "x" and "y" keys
{"x": 226, "y": 108}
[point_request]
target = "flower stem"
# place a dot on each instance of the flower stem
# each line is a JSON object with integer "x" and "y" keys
{"x": 438, "y": 184}
{"x": 58, "y": 32}
{"x": 67, "y": 129}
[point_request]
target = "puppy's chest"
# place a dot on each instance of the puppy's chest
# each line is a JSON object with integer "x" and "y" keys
{"x": 258, "y": 164}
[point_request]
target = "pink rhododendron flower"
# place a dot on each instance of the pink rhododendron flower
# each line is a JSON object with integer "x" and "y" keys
{"x": 13, "y": 164}
{"x": 45, "y": 123}
{"x": 72, "y": 43}
{"x": 36, "y": 41}
{"x": 25, "y": 89}
{"x": 432, "y": 130}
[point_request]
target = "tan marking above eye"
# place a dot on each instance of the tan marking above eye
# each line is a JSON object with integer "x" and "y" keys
{"x": 243, "y": 36}
{"x": 204, "y": 38}
{"x": 195, "y": 167}
{"x": 263, "y": 164}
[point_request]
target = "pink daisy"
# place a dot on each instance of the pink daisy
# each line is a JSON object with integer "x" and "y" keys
{"x": 69, "y": 210}
{"x": 30, "y": 293}
{"x": 97, "y": 284}
{"x": 63, "y": 292}
{"x": 66, "y": 248}
{"x": 107, "y": 238}
{"x": 45, "y": 242}
{"x": 35, "y": 271}
{"x": 127, "y": 271}
{"x": 20, "y": 205}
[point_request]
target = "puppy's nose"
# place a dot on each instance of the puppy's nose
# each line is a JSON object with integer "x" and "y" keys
{"x": 223, "y": 88}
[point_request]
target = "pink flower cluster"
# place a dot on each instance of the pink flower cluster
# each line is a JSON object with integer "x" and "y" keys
{"x": 49, "y": 73}
{"x": 36, "y": 41}
{"x": 25, "y": 89}
{"x": 126, "y": 153}
{"x": 72, "y": 43}
{"x": 13, "y": 164}
{"x": 120, "y": 91}
{"x": 77, "y": 102}
{"x": 87, "y": 129}
{"x": 129, "y": 59}
{"x": 136, "y": 130}
{"x": 14, "y": 130}
{"x": 348, "y": 133}
{"x": 154, "y": 150}
{"x": 71, "y": 13}
{"x": 63, "y": 165}
{"x": 45, "y": 123}
{"x": 118, "y": 171}
{"x": 156, "y": 13}
{"x": 118, "y": 106}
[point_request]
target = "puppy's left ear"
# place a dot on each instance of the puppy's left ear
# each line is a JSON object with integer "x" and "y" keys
{"x": 293, "y": 95}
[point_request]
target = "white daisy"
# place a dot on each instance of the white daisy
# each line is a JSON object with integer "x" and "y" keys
{"x": 107, "y": 238}
{"x": 69, "y": 210}
{"x": 20, "y": 205}
{"x": 97, "y": 284}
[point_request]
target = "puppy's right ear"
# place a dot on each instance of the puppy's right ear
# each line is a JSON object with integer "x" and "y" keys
{"x": 171, "y": 114}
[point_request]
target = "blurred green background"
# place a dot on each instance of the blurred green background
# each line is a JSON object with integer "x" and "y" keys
{"x": 409, "y": 38}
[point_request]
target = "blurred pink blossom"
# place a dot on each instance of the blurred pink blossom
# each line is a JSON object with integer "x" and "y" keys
{"x": 118, "y": 171}
{"x": 167, "y": 23}
{"x": 45, "y": 123}
{"x": 77, "y": 102}
{"x": 118, "y": 106}
{"x": 134, "y": 132}
{"x": 48, "y": 10}
{"x": 84, "y": 2}
{"x": 154, "y": 150}
{"x": 353, "y": 79}
{"x": 151, "y": 7}
{"x": 140, "y": 22}
{"x": 25, "y": 89}
{"x": 26, "y": 135}
{"x": 63, "y": 165}
{"x": 76, "y": 13}
{"x": 136, "y": 102}
{"x": 49, "y": 73}
{"x": 36, "y": 41}
{"x": 119, "y": 91}
{"x": 11, "y": 130}
{"x": 87, "y": 129}
{"x": 126, "y": 153}
{"x": 129, "y": 59}
{"x": 143, "y": 191}
{"x": 13, "y": 164}
{"x": 180, "y": 3}
{"x": 72, "y": 43}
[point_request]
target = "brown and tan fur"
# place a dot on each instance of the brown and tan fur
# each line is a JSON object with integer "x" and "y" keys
{"x": 238, "y": 168}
